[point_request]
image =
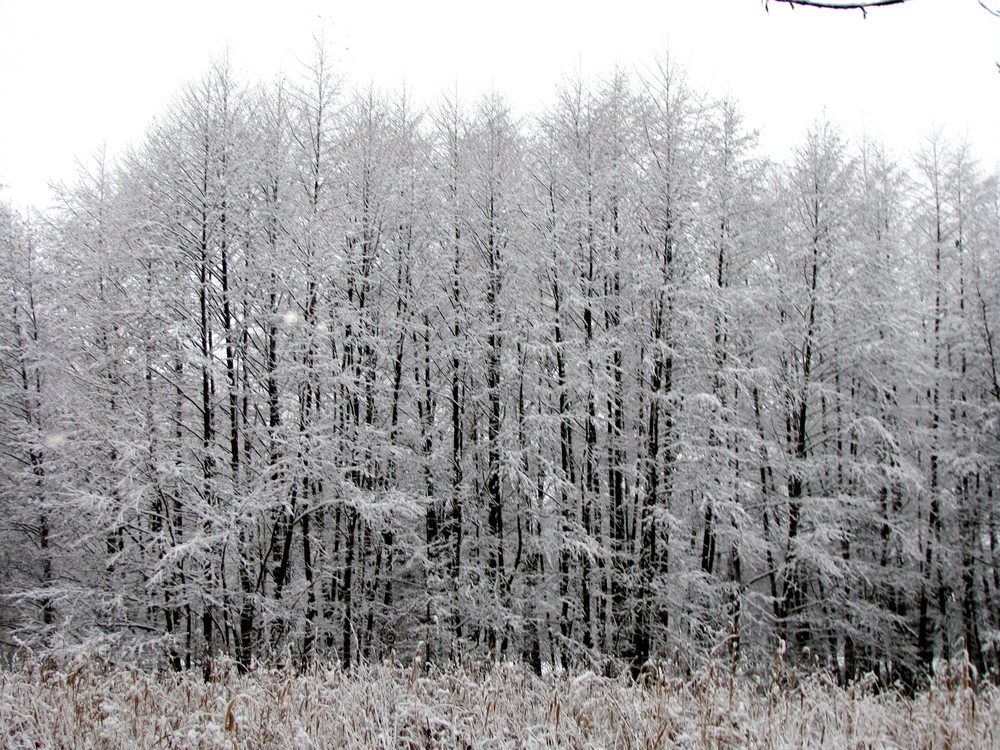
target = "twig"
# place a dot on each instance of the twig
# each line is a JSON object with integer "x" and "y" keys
{"x": 862, "y": 6}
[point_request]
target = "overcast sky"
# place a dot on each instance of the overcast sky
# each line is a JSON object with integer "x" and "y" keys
{"x": 78, "y": 73}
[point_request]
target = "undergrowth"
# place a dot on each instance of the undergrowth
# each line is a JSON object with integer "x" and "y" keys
{"x": 87, "y": 703}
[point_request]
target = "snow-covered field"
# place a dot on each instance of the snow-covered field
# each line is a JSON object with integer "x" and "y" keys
{"x": 87, "y": 705}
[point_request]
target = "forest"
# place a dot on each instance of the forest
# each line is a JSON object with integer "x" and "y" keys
{"x": 318, "y": 374}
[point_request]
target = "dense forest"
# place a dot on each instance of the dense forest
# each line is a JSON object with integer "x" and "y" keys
{"x": 318, "y": 373}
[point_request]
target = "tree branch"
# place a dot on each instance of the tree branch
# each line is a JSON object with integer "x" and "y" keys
{"x": 988, "y": 9}
{"x": 862, "y": 6}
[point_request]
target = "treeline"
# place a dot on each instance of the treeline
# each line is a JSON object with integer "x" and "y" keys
{"x": 321, "y": 373}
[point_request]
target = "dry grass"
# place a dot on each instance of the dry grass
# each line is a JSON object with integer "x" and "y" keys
{"x": 89, "y": 705}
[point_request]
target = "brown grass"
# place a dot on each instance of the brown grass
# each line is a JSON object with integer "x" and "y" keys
{"x": 90, "y": 705}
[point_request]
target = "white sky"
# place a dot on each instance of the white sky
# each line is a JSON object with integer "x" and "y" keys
{"x": 78, "y": 73}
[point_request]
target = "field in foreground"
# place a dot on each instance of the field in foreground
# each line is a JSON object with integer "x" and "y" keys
{"x": 87, "y": 705}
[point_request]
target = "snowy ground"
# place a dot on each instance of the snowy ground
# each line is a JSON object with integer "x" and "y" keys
{"x": 86, "y": 705}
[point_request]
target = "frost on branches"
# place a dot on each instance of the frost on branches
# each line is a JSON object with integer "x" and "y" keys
{"x": 321, "y": 373}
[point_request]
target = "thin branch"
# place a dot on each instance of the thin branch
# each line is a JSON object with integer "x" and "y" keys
{"x": 988, "y": 9}
{"x": 843, "y": 6}
{"x": 862, "y": 6}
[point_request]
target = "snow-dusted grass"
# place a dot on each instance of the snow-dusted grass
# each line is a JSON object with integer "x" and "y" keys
{"x": 89, "y": 705}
